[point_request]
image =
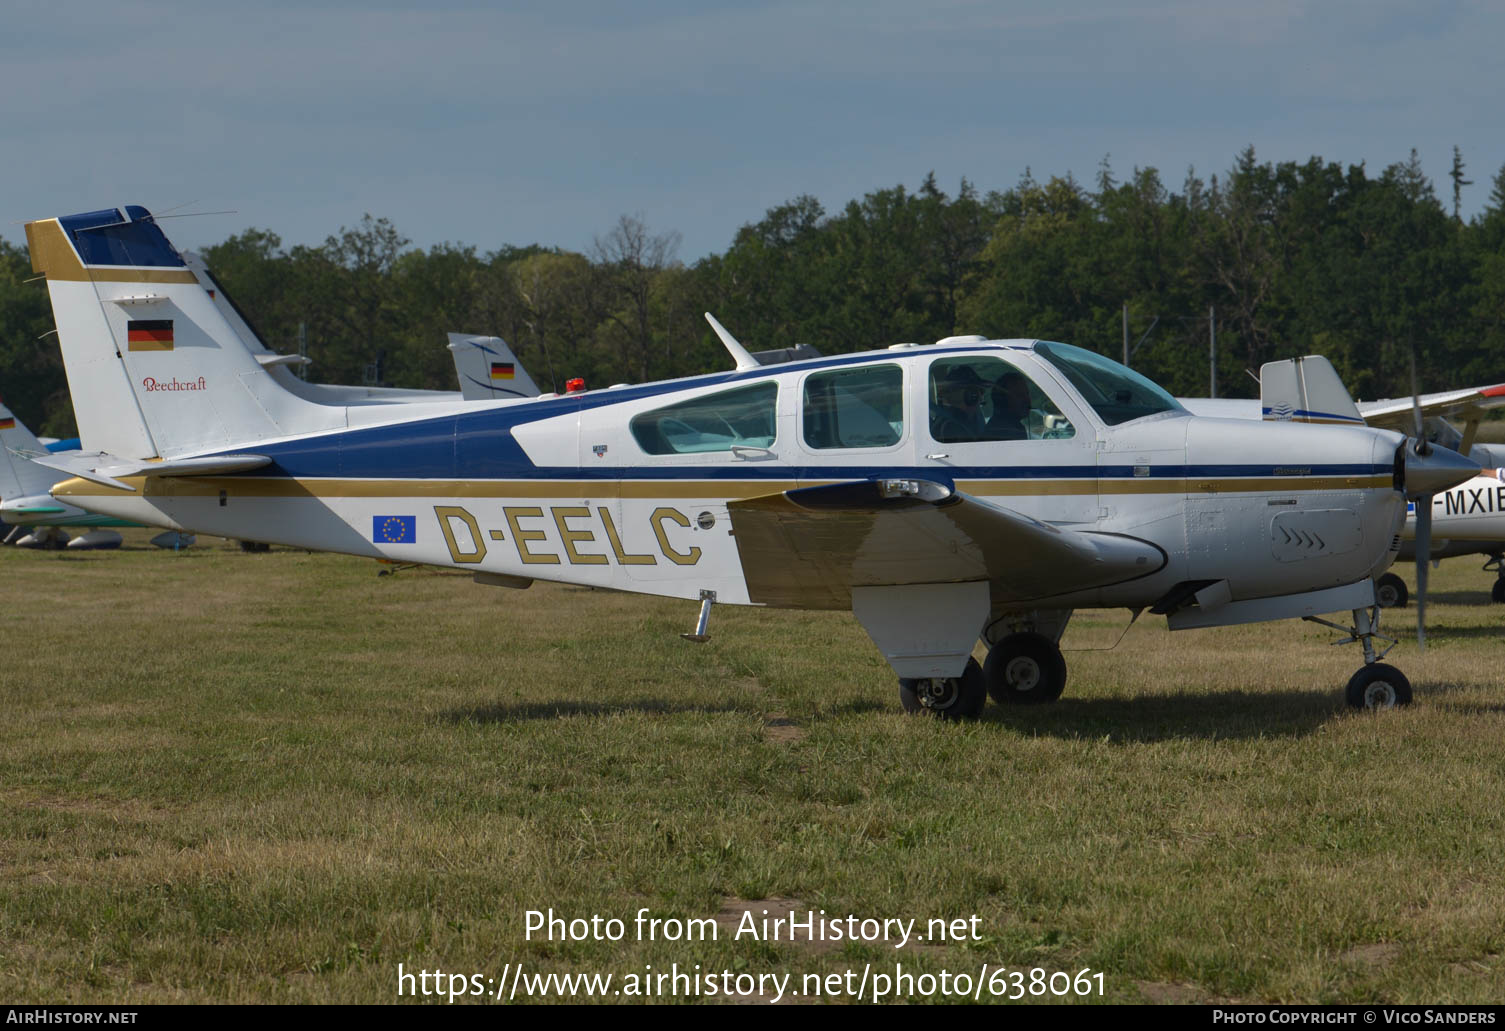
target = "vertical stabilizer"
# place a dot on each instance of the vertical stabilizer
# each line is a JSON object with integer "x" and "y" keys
{"x": 20, "y": 478}
{"x": 154, "y": 367}
{"x": 1305, "y": 390}
{"x": 488, "y": 369}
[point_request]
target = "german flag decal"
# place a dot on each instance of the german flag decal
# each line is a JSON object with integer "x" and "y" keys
{"x": 149, "y": 334}
{"x": 8, "y": 422}
{"x": 501, "y": 370}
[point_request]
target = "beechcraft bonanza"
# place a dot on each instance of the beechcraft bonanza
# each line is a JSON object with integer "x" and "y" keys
{"x": 970, "y": 489}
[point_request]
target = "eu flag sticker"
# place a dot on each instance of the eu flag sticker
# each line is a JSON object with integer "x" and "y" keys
{"x": 397, "y": 529}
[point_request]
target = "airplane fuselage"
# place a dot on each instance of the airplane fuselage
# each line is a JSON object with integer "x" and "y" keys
{"x": 629, "y": 488}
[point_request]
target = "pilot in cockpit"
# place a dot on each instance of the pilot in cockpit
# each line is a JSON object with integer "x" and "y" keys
{"x": 958, "y": 415}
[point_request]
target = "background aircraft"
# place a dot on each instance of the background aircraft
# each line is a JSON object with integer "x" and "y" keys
{"x": 832, "y": 483}
{"x": 487, "y": 369}
{"x": 1310, "y": 390}
{"x": 281, "y": 366}
{"x": 36, "y": 518}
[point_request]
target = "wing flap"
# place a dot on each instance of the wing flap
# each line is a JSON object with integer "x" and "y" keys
{"x": 810, "y": 547}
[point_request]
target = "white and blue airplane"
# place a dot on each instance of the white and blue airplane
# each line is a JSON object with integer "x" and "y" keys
{"x": 970, "y": 490}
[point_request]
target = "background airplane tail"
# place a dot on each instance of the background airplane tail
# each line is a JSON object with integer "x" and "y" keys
{"x": 1305, "y": 389}
{"x": 154, "y": 368}
{"x": 18, "y": 477}
{"x": 488, "y": 369}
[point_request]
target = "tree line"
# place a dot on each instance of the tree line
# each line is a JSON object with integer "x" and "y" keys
{"x": 1281, "y": 258}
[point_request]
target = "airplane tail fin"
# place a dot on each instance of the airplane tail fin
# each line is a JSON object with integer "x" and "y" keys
{"x": 154, "y": 367}
{"x": 20, "y": 477}
{"x": 1305, "y": 390}
{"x": 488, "y": 369}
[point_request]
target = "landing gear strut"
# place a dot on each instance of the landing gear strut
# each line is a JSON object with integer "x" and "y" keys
{"x": 1496, "y": 565}
{"x": 947, "y": 698}
{"x": 1025, "y": 669}
{"x": 1377, "y": 685}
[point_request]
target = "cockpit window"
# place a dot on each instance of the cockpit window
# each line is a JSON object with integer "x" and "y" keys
{"x": 975, "y": 399}
{"x": 1116, "y": 393}
{"x": 714, "y": 422}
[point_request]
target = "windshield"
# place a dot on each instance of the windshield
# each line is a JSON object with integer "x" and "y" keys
{"x": 1116, "y": 393}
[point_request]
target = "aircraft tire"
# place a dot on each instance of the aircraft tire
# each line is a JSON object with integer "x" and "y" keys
{"x": 946, "y": 698}
{"x": 1025, "y": 669}
{"x": 1390, "y": 592}
{"x": 1378, "y": 686}
{"x": 254, "y": 547}
{"x": 1497, "y": 592}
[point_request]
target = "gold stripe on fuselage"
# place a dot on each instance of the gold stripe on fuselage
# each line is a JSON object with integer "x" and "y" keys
{"x": 732, "y": 490}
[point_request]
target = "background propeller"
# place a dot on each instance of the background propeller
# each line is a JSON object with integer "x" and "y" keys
{"x": 1423, "y": 517}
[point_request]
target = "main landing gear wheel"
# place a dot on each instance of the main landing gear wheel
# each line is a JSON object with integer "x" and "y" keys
{"x": 1378, "y": 686}
{"x": 1497, "y": 592}
{"x": 1390, "y": 591}
{"x": 947, "y": 698}
{"x": 1025, "y": 669}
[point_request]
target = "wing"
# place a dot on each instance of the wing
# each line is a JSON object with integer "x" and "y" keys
{"x": 810, "y": 547}
{"x": 1452, "y": 404}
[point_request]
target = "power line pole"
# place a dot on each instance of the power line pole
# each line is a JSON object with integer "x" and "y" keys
{"x": 1212, "y": 350}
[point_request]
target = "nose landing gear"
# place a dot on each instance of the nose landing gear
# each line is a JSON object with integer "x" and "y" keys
{"x": 1377, "y": 685}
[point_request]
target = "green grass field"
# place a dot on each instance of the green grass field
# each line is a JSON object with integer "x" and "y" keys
{"x": 232, "y": 777}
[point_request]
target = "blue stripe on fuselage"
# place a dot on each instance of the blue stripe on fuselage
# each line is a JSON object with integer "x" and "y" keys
{"x": 479, "y": 445}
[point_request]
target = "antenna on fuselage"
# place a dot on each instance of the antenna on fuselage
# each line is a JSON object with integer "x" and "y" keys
{"x": 739, "y": 353}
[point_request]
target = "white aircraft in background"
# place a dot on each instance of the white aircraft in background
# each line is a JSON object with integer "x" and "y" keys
{"x": 281, "y": 365}
{"x": 488, "y": 370}
{"x": 26, "y": 503}
{"x": 1464, "y": 520}
{"x": 970, "y": 489}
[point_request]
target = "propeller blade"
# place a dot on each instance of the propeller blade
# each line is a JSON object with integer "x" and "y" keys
{"x": 1421, "y": 437}
{"x": 1423, "y": 559}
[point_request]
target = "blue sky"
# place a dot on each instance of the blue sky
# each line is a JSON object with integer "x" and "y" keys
{"x": 491, "y": 124}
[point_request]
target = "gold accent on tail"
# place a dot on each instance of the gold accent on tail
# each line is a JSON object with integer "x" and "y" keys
{"x": 53, "y": 256}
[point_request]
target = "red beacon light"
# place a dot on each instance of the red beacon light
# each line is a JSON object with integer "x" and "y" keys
{"x": 574, "y": 386}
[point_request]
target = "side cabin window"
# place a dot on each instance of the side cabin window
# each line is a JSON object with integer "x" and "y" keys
{"x": 975, "y": 399}
{"x": 712, "y": 422}
{"x": 862, "y": 407}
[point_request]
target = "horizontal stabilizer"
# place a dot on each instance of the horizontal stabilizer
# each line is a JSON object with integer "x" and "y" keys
{"x": 107, "y": 469}
{"x": 268, "y": 359}
{"x": 810, "y": 547}
{"x": 34, "y": 505}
